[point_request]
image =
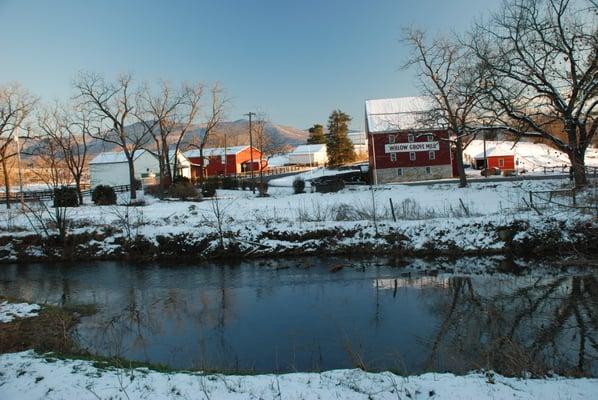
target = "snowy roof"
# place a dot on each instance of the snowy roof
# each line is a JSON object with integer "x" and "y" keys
{"x": 403, "y": 113}
{"x": 216, "y": 151}
{"x": 309, "y": 149}
{"x": 497, "y": 150}
{"x": 114, "y": 157}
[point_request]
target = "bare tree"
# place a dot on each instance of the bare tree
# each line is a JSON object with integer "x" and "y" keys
{"x": 114, "y": 104}
{"x": 268, "y": 144}
{"x": 168, "y": 116}
{"x": 69, "y": 131}
{"x": 541, "y": 63}
{"x": 16, "y": 104}
{"x": 449, "y": 79}
{"x": 213, "y": 118}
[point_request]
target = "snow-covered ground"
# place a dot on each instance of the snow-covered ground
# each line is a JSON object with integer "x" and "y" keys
{"x": 10, "y": 311}
{"x": 282, "y": 205}
{"x": 29, "y": 376}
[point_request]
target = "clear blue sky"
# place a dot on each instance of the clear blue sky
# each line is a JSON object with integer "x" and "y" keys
{"x": 295, "y": 60}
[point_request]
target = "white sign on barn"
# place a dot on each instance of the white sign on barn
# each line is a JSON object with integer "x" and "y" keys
{"x": 412, "y": 146}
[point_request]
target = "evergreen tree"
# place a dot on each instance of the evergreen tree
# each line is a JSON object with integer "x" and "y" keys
{"x": 316, "y": 135}
{"x": 339, "y": 147}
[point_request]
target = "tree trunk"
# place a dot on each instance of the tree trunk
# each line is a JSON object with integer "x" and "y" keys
{"x": 576, "y": 154}
{"x": 460, "y": 167}
{"x": 6, "y": 182}
{"x": 579, "y": 169}
{"x": 132, "y": 180}
{"x": 201, "y": 163}
{"x": 78, "y": 188}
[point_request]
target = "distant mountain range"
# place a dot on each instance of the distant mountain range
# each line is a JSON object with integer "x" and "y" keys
{"x": 234, "y": 133}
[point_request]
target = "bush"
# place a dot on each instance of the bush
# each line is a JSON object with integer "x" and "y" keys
{"x": 66, "y": 197}
{"x": 209, "y": 187}
{"x": 299, "y": 185}
{"x": 103, "y": 195}
{"x": 244, "y": 184}
{"x": 181, "y": 179}
{"x": 230, "y": 183}
{"x": 262, "y": 188}
{"x": 183, "y": 190}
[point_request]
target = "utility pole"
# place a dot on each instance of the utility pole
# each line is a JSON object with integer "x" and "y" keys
{"x": 19, "y": 168}
{"x": 250, "y": 114}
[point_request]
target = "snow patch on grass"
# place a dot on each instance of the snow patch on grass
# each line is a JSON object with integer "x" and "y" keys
{"x": 10, "y": 311}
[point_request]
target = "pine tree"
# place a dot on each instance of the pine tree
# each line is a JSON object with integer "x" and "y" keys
{"x": 339, "y": 147}
{"x": 316, "y": 135}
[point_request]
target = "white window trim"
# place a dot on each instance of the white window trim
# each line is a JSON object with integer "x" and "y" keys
{"x": 412, "y": 156}
{"x": 392, "y": 139}
{"x": 432, "y": 155}
{"x": 501, "y": 162}
{"x": 399, "y": 171}
{"x": 393, "y": 156}
{"x": 428, "y": 170}
{"x": 411, "y": 137}
{"x": 430, "y": 138}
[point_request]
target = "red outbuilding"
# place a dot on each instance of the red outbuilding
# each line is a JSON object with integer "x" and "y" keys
{"x": 402, "y": 144}
{"x": 498, "y": 155}
{"x": 225, "y": 161}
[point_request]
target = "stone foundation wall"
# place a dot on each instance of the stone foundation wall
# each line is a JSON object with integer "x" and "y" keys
{"x": 388, "y": 175}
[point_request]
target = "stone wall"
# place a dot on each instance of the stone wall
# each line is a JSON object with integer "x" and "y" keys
{"x": 387, "y": 175}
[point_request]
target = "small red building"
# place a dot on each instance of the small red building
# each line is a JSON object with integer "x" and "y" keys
{"x": 499, "y": 155}
{"x": 225, "y": 161}
{"x": 400, "y": 146}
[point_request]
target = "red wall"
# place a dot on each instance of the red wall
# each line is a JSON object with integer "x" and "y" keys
{"x": 233, "y": 163}
{"x": 443, "y": 155}
{"x": 509, "y": 162}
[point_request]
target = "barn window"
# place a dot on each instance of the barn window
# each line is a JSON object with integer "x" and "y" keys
{"x": 400, "y": 172}
{"x": 223, "y": 159}
{"x": 393, "y": 156}
{"x": 412, "y": 155}
{"x": 430, "y": 137}
{"x": 432, "y": 155}
{"x": 428, "y": 170}
{"x": 501, "y": 162}
{"x": 391, "y": 138}
{"x": 410, "y": 138}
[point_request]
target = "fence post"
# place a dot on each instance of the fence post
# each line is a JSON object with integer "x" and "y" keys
{"x": 392, "y": 209}
{"x": 531, "y": 198}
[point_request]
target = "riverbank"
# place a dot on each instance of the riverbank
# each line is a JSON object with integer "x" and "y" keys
{"x": 395, "y": 219}
{"x": 31, "y": 376}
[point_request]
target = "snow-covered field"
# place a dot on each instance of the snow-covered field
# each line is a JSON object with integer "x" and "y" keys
{"x": 29, "y": 376}
{"x": 10, "y": 311}
{"x": 437, "y": 217}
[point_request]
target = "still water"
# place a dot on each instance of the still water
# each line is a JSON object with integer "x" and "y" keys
{"x": 288, "y": 315}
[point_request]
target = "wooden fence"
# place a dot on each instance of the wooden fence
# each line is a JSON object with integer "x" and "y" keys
{"x": 48, "y": 194}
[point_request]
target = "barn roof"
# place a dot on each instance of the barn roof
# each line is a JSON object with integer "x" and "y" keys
{"x": 114, "y": 157}
{"x": 309, "y": 149}
{"x": 402, "y": 113}
{"x": 497, "y": 149}
{"x": 216, "y": 151}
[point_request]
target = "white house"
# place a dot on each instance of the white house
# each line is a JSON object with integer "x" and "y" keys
{"x": 312, "y": 154}
{"x": 111, "y": 168}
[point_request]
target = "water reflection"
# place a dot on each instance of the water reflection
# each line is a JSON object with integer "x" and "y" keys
{"x": 298, "y": 315}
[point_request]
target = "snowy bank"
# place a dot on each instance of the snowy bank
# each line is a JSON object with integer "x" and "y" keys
{"x": 440, "y": 219}
{"x": 10, "y": 311}
{"x": 29, "y": 376}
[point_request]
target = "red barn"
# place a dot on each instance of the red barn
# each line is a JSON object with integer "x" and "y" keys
{"x": 400, "y": 146}
{"x": 498, "y": 155}
{"x": 225, "y": 161}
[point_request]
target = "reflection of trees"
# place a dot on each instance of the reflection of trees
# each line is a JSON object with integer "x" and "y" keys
{"x": 516, "y": 325}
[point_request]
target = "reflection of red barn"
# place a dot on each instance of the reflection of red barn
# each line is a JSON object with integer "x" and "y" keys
{"x": 225, "y": 161}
